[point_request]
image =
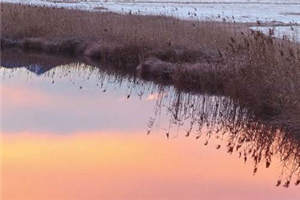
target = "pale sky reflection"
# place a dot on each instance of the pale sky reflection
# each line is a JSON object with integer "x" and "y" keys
{"x": 39, "y": 105}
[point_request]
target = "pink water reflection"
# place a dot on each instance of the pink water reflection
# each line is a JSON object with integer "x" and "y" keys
{"x": 102, "y": 165}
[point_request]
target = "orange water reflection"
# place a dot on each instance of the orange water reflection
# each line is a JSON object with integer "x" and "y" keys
{"x": 127, "y": 166}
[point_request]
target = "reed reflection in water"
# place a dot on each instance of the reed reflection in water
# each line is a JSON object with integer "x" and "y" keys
{"x": 106, "y": 159}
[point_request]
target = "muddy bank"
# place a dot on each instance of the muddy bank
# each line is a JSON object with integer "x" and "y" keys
{"x": 112, "y": 52}
{"x": 191, "y": 70}
{"x": 149, "y": 63}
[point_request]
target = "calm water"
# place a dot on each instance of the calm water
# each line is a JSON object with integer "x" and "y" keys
{"x": 74, "y": 131}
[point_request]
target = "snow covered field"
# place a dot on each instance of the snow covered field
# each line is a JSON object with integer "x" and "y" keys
{"x": 276, "y": 12}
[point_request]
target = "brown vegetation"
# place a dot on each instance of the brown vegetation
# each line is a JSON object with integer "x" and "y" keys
{"x": 20, "y": 22}
{"x": 258, "y": 71}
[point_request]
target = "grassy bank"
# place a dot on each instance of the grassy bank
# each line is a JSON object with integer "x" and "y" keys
{"x": 258, "y": 71}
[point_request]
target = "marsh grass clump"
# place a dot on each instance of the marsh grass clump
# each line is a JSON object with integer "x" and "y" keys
{"x": 269, "y": 78}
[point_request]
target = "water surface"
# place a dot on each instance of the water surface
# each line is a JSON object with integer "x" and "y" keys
{"x": 76, "y": 131}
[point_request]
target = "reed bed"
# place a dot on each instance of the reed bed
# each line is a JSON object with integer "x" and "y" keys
{"x": 19, "y": 21}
